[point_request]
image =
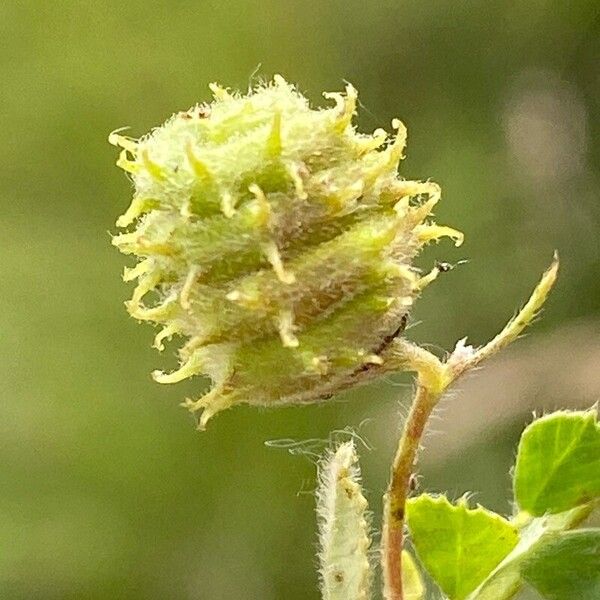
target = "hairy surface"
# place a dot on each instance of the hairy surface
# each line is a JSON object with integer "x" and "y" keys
{"x": 344, "y": 536}
{"x": 276, "y": 241}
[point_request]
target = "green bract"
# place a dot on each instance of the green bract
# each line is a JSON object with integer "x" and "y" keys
{"x": 277, "y": 241}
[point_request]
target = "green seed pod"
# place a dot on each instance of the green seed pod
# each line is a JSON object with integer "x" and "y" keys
{"x": 277, "y": 241}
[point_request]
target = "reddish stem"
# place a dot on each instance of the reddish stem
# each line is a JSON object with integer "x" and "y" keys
{"x": 398, "y": 490}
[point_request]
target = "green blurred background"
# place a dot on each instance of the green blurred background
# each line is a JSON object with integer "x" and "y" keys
{"x": 106, "y": 490}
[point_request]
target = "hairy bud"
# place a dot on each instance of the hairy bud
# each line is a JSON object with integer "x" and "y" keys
{"x": 277, "y": 241}
{"x": 343, "y": 527}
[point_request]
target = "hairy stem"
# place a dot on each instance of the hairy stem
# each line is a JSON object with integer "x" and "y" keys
{"x": 398, "y": 489}
{"x": 434, "y": 378}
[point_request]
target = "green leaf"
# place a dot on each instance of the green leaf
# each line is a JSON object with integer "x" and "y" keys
{"x": 458, "y": 546}
{"x": 558, "y": 463}
{"x": 567, "y": 567}
{"x": 506, "y": 579}
{"x": 412, "y": 584}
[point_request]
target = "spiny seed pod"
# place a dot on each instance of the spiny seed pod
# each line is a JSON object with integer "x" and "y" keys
{"x": 277, "y": 240}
